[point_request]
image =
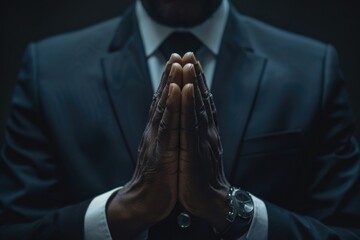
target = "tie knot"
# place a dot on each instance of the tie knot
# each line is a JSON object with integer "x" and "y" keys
{"x": 180, "y": 43}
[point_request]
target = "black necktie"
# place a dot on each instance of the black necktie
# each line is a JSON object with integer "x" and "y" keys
{"x": 180, "y": 43}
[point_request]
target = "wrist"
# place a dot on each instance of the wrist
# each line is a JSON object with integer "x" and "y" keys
{"x": 126, "y": 219}
{"x": 218, "y": 211}
{"x": 235, "y": 229}
{"x": 240, "y": 215}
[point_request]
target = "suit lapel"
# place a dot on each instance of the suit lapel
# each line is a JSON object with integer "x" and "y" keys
{"x": 128, "y": 81}
{"x": 237, "y": 78}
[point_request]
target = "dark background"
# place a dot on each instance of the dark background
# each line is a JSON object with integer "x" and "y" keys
{"x": 22, "y": 21}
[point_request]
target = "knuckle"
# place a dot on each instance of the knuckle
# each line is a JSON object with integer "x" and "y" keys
{"x": 202, "y": 108}
{"x": 162, "y": 125}
{"x": 160, "y": 108}
{"x": 202, "y": 116}
{"x": 206, "y": 95}
{"x": 155, "y": 97}
{"x": 153, "y": 122}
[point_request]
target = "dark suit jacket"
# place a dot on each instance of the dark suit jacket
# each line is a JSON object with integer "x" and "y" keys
{"x": 81, "y": 105}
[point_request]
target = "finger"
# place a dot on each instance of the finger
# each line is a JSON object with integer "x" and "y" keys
{"x": 174, "y": 58}
{"x": 176, "y": 76}
{"x": 207, "y": 94}
{"x": 168, "y": 133}
{"x": 188, "y": 120}
{"x": 155, "y": 113}
{"x": 189, "y": 57}
{"x": 217, "y": 165}
{"x": 189, "y": 76}
{"x": 211, "y": 109}
{"x": 209, "y": 103}
{"x": 200, "y": 69}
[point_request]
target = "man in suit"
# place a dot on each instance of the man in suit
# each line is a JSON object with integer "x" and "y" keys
{"x": 81, "y": 107}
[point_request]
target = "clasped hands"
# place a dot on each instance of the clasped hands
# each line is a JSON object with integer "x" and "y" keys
{"x": 179, "y": 157}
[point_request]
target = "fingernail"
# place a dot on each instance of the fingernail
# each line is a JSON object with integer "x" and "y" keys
{"x": 192, "y": 69}
{"x": 197, "y": 68}
{"x": 172, "y": 69}
{"x": 192, "y": 89}
{"x": 170, "y": 89}
{"x": 194, "y": 56}
{"x": 201, "y": 69}
{"x": 187, "y": 54}
{"x": 168, "y": 66}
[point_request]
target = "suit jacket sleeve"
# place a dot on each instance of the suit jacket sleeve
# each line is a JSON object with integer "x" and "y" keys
{"x": 331, "y": 205}
{"x": 32, "y": 203}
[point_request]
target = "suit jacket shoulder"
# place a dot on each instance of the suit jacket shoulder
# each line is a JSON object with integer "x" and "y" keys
{"x": 95, "y": 38}
{"x": 68, "y": 54}
{"x": 282, "y": 46}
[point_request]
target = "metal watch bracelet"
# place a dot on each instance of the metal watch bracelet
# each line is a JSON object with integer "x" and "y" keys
{"x": 240, "y": 204}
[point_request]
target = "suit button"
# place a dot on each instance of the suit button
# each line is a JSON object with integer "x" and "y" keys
{"x": 184, "y": 220}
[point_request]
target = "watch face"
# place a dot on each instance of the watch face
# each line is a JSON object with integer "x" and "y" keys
{"x": 245, "y": 203}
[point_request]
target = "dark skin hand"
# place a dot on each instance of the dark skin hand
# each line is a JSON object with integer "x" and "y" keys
{"x": 202, "y": 183}
{"x": 152, "y": 192}
{"x": 179, "y": 157}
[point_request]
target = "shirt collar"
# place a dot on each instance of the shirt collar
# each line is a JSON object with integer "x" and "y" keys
{"x": 209, "y": 32}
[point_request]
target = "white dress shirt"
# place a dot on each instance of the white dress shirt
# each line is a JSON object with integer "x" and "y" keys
{"x": 210, "y": 33}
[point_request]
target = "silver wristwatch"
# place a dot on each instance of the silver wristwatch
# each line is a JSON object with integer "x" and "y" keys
{"x": 240, "y": 203}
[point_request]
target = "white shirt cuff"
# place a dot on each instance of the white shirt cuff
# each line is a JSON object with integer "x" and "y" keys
{"x": 259, "y": 227}
{"x": 95, "y": 222}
